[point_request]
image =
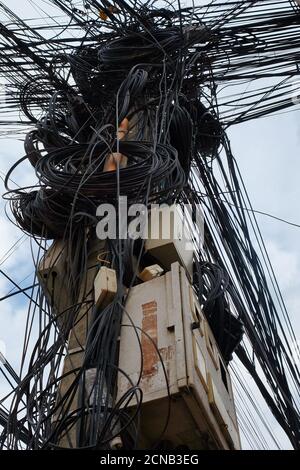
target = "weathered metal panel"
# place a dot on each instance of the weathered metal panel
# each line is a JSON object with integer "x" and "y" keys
{"x": 164, "y": 323}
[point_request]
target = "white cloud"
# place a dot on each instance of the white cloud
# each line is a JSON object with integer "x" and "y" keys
{"x": 285, "y": 263}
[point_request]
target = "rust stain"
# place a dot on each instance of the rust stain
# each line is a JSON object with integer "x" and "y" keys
{"x": 149, "y": 326}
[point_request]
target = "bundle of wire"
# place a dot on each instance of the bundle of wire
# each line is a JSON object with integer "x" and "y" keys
{"x": 158, "y": 68}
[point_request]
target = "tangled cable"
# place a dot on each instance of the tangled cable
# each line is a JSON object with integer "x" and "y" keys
{"x": 160, "y": 70}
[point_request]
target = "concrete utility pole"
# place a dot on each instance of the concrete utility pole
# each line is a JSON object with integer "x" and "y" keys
{"x": 174, "y": 345}
{"x": 92, "y": 294}
{"x": 52, "y": 267}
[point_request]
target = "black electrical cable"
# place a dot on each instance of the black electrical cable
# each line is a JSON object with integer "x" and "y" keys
{"x": 171, "y": 72}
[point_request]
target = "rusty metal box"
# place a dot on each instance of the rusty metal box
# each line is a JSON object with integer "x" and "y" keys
{"x": 178, "y": 367}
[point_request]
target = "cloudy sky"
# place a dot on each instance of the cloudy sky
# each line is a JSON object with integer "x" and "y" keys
{"x": 267, "y": 152}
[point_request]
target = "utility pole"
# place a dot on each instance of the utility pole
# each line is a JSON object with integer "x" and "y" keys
{"x": 183, "y": 376}
{"x": 127, "y": 99}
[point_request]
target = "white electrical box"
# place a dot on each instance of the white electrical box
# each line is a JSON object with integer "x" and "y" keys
{"x": 170, "y": 237}
{"x": 105, "y": 286}
{"x": 167, "y": 343}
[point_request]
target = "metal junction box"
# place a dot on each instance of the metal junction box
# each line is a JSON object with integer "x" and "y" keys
{"x": 165, "y": 338}
{"x": 170, "y": 238}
